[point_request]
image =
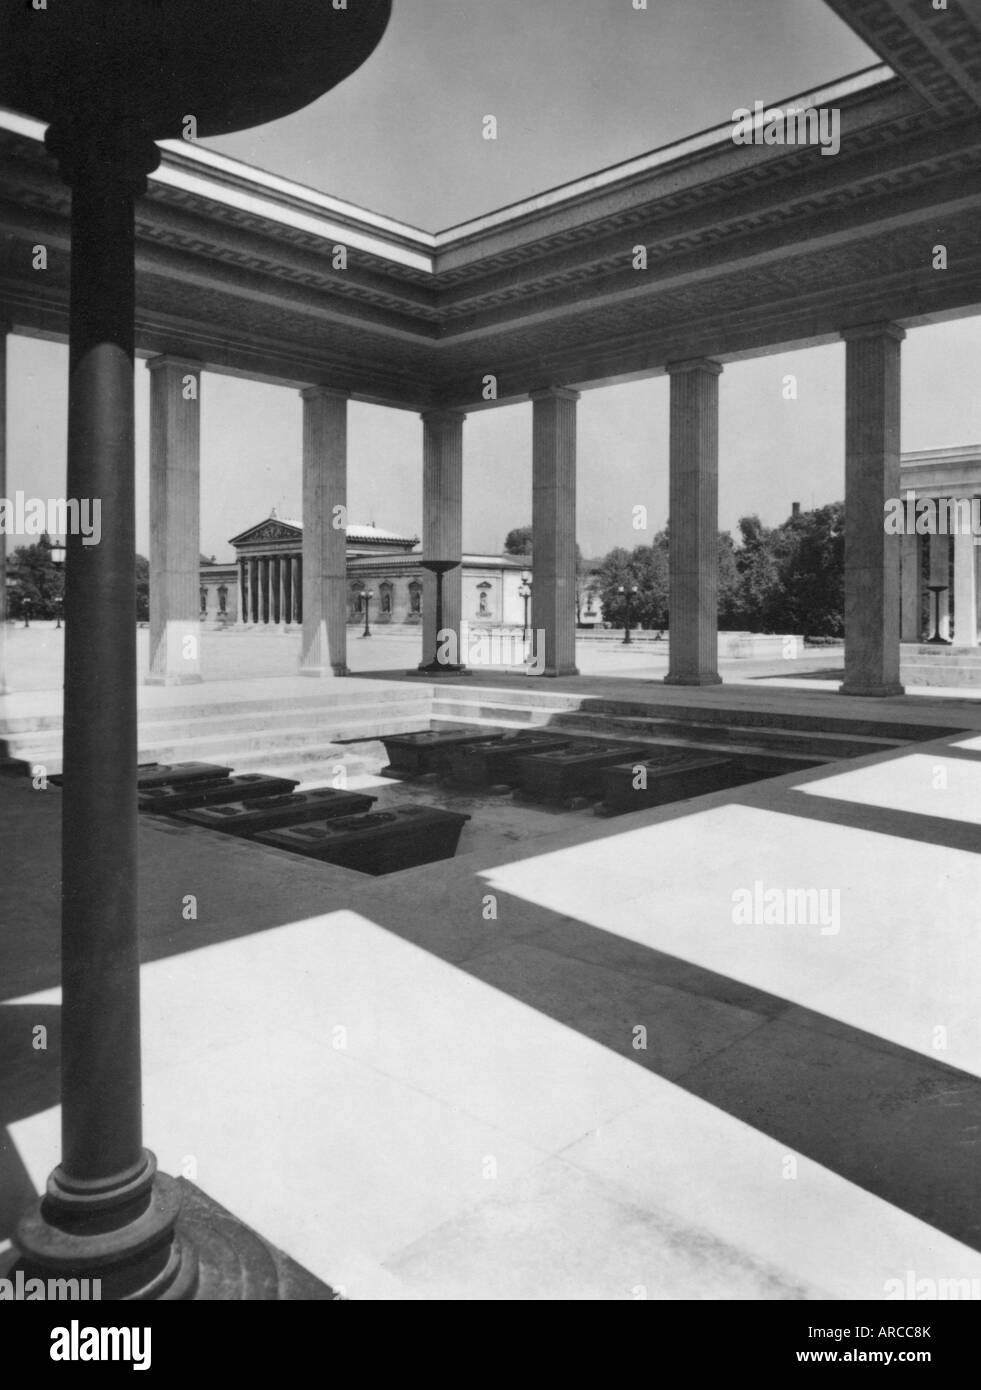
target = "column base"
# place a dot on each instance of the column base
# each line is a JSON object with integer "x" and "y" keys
{"x": 231, "y": 1262}
{"x": 435, "y": 669}
{"x": 324, "y": 673}
{"x": 552, "y": 672}
{"x": 876, "y": 692}
{"x": 124, "y": 1235}
{"x": 697, "y": 678}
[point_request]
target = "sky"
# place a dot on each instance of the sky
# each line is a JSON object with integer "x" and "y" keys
{"x": 576, "y": 85}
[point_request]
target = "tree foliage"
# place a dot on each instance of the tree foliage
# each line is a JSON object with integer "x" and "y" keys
{"x": 787, "y": 578}
{"x": 36, "y": 583}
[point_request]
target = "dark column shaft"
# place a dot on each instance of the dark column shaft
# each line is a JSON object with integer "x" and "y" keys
{"x": 101, "y": 1114}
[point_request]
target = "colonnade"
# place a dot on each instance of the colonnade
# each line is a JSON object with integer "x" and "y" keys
{"x": 312, "y": 590}
{"x": 270, "y": 590}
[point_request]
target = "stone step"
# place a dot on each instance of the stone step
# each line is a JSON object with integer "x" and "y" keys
{"x": 491, "y": 699}
{"x": 928, "y": 673}
{"x": 246, "y": 750}
{"x": 710, "y": 734}
{"x": 336, "y": 699}
{"x": 529, "y": 694}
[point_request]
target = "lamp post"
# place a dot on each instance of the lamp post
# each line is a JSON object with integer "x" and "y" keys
{"x": 525, "y": 593}
{"x": 26, "y": 605}
{"x": 57, "y": 556}
{"x": 109, "y": 81}
{"x": 627, "y": 591}
{"x": 437, "y": 667}
{"x": 366, "y": 598}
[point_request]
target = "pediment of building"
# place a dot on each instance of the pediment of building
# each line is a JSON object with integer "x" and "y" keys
{"x": 268, "y": 532}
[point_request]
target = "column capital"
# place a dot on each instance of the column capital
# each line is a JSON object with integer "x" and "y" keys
{"x": 694, "y": 364}
{"x": 171, "y": 359}
{"x": 316, "y": 393}
{"x": 873, "y": 330}
{"x": 555, "y": 393}
{"x": 443, "y": 417}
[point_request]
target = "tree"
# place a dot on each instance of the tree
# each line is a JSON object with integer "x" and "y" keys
{"x": 37, "y": 581}
{"x": 647, "y": 567}
{"x": 518, "y": 541}
{"x": 730, "y": 588}
{"x": 142, "y": 589}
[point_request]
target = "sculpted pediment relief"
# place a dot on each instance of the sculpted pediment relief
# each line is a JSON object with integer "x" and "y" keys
{"x": 268, "y": 531}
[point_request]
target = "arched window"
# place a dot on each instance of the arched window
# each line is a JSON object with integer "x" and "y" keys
{"x": 354, "y": 608}
{"x": 223, "y": 598}
{"x": 385, "y": 590}
{"x": 415, "y": 597}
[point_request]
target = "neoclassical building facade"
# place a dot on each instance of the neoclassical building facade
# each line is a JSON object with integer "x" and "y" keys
{"x": 263, "y": 587}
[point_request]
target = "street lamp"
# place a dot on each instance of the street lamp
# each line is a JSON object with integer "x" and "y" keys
{"x": 56, "y": 554}
{"x": 627, "y": 591}
{"x": 26, "y": 606}
{"x": 525, "y": 593}
{"x": 366, "y": 598}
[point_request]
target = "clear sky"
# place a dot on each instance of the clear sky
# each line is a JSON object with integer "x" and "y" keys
{"x": 575, "y": 85}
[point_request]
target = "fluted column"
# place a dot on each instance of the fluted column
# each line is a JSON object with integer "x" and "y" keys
{"x": 442, "y": 529}
{"x": 175, "y": 550}
{"x": 3, "y": 493}
{"x": 265, "y": 588}
{"x": 243, "y": 591}
{"x": 553, "y": 524}
{"x": 693, "y": 596}
{"x": 255, "y": 609}
{"x": 911, "y": 606}
{"x": 965, "y": 590}
{"x": 324, "y": 649}
{"x": 297, "y": 588}
{"x": 872, "y": 475}
{"x": 940, "y": 574}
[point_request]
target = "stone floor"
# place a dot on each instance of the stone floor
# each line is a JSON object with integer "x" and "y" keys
{"x": 561, "y": 1065}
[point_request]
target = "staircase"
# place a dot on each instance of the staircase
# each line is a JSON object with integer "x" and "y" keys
{"x": 307, "y": 737}
{"x": 798, "y": 738}
{"x": 923, "y": 664}
{"x": 311, "y": 735}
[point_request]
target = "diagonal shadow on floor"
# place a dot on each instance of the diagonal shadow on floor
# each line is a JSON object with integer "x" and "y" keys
{"x": 897, "y": 1124}
{"x": 30, "y": 1049}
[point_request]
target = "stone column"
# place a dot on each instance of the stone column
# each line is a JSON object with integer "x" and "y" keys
{"x": 3, "y": 493}
{"x": 553, "y": 522}
{"x": 693, "y": 595}
{"x": 940, "y": 574}
{"x": 872, "y": 446}
{"x": 911, "y": 606}
{"x": 175, "y": 550}
{"x": 965, "y": 591}
{"x": 442, "y": 529}
{"x": 276, "y": 594}
{"x": 265, "y": 586}
{"x": 324, "y": 648}
{"x": 297, "y": 589}
{"x": 255, "y": 601}
{"x": 106, "y": 1211}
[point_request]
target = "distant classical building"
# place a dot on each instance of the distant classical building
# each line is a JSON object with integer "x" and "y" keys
{"x": 263, "y": 586}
